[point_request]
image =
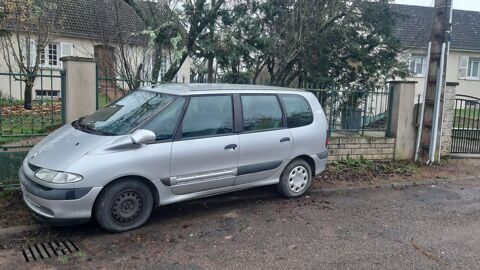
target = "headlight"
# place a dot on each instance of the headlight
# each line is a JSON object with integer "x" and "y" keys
{"x": 57, "y": 177}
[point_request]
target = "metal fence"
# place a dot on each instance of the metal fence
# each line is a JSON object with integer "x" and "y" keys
{"x": 466, "y": 125}
{"x": 44, "y": 114}
{"x": 363, "y": 112}
{"x": 356, "y": 111}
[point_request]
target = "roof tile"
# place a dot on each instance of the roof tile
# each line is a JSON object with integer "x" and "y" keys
{"x": 414, "y": 27}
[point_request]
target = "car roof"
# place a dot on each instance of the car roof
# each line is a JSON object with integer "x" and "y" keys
{"x": 209, "y": 88}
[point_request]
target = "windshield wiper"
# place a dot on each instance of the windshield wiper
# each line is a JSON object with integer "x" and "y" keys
{"x": 89, "y": 129}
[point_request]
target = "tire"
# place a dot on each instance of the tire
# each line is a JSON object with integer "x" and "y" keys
{"x": 296, "y": 179}
{"x": 124, "y": 205}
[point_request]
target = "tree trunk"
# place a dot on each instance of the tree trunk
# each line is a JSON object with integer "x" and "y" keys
{"x": 175, "y": 67}
{"x": 27, "y": 93}
{"x": 210, "y": 69}
{"x": 235, "y": 72}
{"x": 157, "y": 58}
{"x": 136, "y": 81}
{"x": 271, "y": 70}
{"x": 257, "y": 72}
{"x": 196, "y": 28}
{"x": 301, "y": 74}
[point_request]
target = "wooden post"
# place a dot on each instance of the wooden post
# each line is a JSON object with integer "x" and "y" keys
{"x": 440, "y": 35}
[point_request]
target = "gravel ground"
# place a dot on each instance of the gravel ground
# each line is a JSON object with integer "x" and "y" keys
{"x": 379, "y": 173}
{"x": 420, "y": 227}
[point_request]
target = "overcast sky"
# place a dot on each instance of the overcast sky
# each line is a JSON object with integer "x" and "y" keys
{"x": 457, "y": 4}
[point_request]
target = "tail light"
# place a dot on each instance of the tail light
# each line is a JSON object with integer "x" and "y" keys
{"x": 327, "y": 140}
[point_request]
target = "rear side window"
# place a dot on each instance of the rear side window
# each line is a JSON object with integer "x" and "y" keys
{"x": 261, "y": 112}
{"x": 298, "y": 111}
{"x": 207, "y": 116}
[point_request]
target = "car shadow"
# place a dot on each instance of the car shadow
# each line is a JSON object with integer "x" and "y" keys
{"x": 178, "y": 211}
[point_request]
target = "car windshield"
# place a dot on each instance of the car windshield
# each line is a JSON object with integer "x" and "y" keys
{"x": 123, "y": 115}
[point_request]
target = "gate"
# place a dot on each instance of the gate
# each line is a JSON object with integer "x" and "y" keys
{"x": 466, "y": 125}
{"x": 44, "y": 114}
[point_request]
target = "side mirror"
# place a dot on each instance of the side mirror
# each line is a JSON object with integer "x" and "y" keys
{"x": 143, "y": 136}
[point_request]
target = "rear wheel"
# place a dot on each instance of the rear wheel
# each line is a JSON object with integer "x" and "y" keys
{"x": 296, "y": 178}
{"x": 124, "y": 205}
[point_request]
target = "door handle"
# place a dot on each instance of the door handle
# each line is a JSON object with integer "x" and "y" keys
{"x": 231, "y": 147}
{"x": 286, "y": 139}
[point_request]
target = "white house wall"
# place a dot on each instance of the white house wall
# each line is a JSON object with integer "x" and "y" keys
{"x": 10, "y": 88}
{"x": 81, "y": 47}
{"x": 465, "y": 87}
{"x": 183, "y": 75}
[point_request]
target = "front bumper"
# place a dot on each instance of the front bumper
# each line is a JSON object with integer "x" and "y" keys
{"x": 58, "y": 206}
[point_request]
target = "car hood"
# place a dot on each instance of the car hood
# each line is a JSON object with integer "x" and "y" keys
{"x": 63, "y": 147}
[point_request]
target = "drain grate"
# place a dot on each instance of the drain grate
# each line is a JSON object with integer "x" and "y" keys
{"x": 48, "y": 250}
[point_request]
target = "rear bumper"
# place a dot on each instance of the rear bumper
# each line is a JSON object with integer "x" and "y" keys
{"x": 58, "y": 206}
{"x": 320, "y": 162}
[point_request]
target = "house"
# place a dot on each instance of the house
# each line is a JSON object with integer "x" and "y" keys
{"x": 414, "y": 28}
{"x": 108, "y": 30}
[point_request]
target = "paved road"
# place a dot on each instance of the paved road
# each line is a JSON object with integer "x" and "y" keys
{"x": 423, "y": 227}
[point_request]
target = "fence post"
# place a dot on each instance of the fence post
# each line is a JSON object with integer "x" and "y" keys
{"x": 447, "y": 119}
{"x": 402, "y": 122}
{"x": 80, "y": 82}
{"x": 388, "y": 132}
{"x": 96, "y": 87}
{"x": 365, "y": 105}
{"x": 62, "y": 95}
{"x": 331, "y": 116}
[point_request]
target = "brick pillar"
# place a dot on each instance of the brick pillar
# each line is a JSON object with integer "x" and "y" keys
{"x": 402, "y": 122}
{"x": 80, "y": 83}
{"x": 447, "y": 120}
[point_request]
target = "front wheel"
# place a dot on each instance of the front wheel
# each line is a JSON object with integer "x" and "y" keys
{"x": 296, "y": 178}
{"x": 124, "y": 205}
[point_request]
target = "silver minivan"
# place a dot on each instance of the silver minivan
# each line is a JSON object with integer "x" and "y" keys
{"x": 168, "y": 143}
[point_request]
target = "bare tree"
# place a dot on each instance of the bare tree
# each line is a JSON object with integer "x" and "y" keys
{"x": 28, "y": 27}
{"x": 129, "y": 50}
{"x": 183, "y": 22}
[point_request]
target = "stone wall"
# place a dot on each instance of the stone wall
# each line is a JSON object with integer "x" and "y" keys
{"x": 370, "y": 148}
{"x": 448, "y": 113}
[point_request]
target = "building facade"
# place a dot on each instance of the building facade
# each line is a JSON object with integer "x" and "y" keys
{"x": 414, "y": 27}
{"x": 109, "y": 31}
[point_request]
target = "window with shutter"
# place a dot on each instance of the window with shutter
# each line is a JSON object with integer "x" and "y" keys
{"x": 462, "y": 74}
{"x": 473, "y": 72}
{"x": 67, "y": 49}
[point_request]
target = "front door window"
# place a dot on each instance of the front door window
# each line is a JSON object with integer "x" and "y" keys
{"x": 165, "y": 122}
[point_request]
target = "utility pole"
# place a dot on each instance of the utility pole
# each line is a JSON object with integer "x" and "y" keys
{"x": 430, "y": 135}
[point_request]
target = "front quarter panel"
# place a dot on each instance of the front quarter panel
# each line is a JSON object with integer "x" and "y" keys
{"x": 148, "y": 161}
